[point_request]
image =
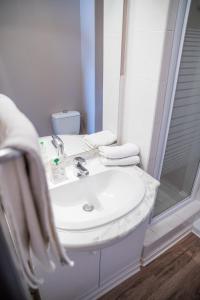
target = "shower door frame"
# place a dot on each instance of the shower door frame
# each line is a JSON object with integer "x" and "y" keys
{"x": 177, "y": 48}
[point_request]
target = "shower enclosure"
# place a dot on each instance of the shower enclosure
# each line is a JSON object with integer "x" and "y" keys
{"x": 180, "y": 163}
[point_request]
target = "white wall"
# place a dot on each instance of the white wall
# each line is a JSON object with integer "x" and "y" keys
{"x": 40, "y": 57}
{"x": 113, "y": 14}
{"x": 150, "y": 34}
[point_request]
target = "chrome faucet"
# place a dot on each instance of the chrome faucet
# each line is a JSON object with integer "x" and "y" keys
{"x": 58, "y": 144}
{"x": 79, "y": 162}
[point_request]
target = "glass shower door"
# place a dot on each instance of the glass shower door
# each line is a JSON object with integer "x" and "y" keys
{"x": 182, "y": 154}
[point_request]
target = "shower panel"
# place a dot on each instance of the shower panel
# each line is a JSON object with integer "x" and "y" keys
{"x": 182, "y": 153}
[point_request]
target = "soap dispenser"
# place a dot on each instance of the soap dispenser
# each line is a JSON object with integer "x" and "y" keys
{"x": 58, "y": 173}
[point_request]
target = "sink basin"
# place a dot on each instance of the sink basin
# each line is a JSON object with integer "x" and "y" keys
{"x": 96, "y": 200}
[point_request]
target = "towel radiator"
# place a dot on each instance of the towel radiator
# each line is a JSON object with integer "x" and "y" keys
{"x": 7, "y": 155}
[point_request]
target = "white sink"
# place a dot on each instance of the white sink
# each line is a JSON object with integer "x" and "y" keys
{"x": 110, "y": 195}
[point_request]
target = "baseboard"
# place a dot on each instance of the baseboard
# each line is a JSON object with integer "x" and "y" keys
{"x": 113, "y": 282}
{"x": 196, "y": 229}
{"x": 165, "y": 246}
{"x": 196, "y": 233}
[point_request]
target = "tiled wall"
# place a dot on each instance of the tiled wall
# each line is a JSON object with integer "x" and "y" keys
{"x": 150, "y": 34}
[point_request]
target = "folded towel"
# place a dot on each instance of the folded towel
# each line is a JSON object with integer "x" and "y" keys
{"x": 122, "y": 151}
{"x": 26, "y": 201}
{"x": 127, "y": 161}
{"x": 101, "y": 138}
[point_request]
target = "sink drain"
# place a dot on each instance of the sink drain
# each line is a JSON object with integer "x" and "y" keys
{"x": 88, "y": 207}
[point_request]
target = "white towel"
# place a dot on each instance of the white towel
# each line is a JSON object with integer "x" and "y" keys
{"x": 101, "y": 138}
{"x": 27, "y": 200}
{"x": 122, "y": 151}
{"x": 127, "y": 161}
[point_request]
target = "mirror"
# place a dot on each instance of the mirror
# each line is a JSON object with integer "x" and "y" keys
{"x": 60, "y": 56}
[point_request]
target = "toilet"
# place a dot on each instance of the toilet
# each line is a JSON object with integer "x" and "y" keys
{"x": 66, "y": 122}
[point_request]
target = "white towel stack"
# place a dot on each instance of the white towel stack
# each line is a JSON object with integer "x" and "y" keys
{"x": 101, "y": 138}
{"x": 124, "y": 155}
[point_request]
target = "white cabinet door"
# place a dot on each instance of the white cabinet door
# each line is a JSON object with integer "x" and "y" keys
{"x": 72, "y": 283}
{"x": 122, "y": 258}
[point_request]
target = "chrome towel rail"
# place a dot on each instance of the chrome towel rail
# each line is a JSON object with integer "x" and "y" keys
{"x": 7, "y": 154}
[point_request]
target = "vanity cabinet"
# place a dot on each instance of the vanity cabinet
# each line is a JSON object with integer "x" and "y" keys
{"x": 95, "y": 272}
{"x": 68, "y": 283}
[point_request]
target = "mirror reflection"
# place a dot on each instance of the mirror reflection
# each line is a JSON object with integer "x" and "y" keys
{"x": 53, "y": 60}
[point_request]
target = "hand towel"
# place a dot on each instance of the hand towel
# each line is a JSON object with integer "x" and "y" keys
{"x": 101, "y": 138}
{"x": 127, "y": 161}
{"x": 122, "y": 151}
{"x": 27, "y": 200}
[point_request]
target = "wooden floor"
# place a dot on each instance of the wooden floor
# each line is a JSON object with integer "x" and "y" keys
{"x": 174, "y": 275}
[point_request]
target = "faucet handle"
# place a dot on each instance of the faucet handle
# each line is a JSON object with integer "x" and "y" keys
{"x": 79, "y": 160}
{"x": 58, "y": 144}
{"x": 57, "y": 140}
